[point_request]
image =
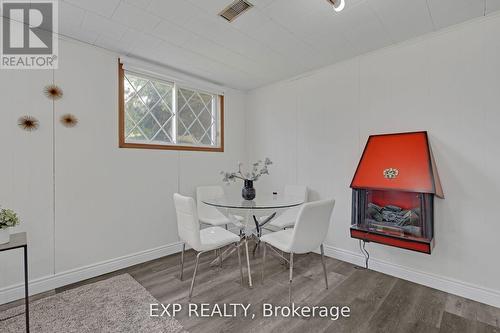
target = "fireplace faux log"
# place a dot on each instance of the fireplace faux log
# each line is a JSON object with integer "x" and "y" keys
{"x": 393, "y": 194}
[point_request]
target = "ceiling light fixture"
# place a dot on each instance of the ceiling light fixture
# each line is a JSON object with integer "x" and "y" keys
{"x": 338, "y": 5}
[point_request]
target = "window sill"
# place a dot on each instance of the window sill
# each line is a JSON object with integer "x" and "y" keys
{"x": 170, "y": 147}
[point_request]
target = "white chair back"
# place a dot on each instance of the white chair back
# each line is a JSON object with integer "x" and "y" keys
{"x": 206, "y": 212}
{"x": 187, "y": 221}
{"x": 312, "y": 226}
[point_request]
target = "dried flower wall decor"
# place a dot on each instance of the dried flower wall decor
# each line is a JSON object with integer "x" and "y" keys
{"x": 28, "y": 123}
{"x": 68, "y": 120}
{"x": 53, "y": 92}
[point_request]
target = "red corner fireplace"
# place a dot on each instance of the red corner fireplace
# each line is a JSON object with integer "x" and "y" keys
{"x": 393, "y": 192}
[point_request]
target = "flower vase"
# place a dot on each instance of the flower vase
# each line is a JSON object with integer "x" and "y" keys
{"x": 248, "y": 191}
{"x": 4, "y": 235}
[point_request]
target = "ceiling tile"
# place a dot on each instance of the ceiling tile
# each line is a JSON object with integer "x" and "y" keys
{"x": 284, "y": 42}
{"x": 137, "y": 39}
{"x": 171, "y": 32}
{"x": 209, "y": 26}
{"x": 113, "y": 44}
{"x": 492, "y": 6}
{"x": 70, "y": 15}
{"x": 143, "y": 4}
{"x": 326, "y": 35}
{"x": 403, "y": 19}
{"x": 261, "y": 3}
{"x": 212, "y": 6}
{"x": 79, "y": 33}
{"x": 103, "y": 25}
{"x": 170, "y": 55}
{"x": 449, "y": 12}
{"x": 134, "y": 17}
{"x": 105, "y": 8}
{"x": 363, "y": 28}
{"x": 228, "y": 57}
{"x": 286, "y": 11}
{"x": 178, "y": 11}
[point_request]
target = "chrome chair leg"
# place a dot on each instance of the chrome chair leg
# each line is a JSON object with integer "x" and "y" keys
{"x": 263, "y": 261}
{"x": 220, "y": 258}
{"x": 323, "y": 263}
{"x": 290, "y": 284}
{"x": 239, "y": 261}
{"x": 182, "y": 260}
{"x": 249, "y": 272}
{"x": 194, "y": 275}
{"x": 283, "y": 261}
{"x": 257, "y": 243}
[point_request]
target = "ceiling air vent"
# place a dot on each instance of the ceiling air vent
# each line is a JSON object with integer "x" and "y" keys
{"x": 238, "y": 7}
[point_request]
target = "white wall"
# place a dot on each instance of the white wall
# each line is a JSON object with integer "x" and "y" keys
{"x": 26, "y": 167}
{"x": 112, "y": 206}
{"x": 315, "y": 127}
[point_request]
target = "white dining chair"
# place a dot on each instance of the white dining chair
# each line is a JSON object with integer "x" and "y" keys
{"x": 204, "y": 240}
{"x": 211, "y": 215}
{"x": 309, "y": 233}
{"x": 288, "y": 218}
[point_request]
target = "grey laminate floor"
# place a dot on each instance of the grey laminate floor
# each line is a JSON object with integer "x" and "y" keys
{"x": 378, "y": 302}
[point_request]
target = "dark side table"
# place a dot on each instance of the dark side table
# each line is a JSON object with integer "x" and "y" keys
{"x": 18, "y": 241}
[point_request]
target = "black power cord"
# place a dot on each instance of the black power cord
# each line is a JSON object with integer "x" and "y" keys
{"x": 362, "y": 248}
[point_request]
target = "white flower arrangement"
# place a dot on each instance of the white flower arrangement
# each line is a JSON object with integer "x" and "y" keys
{"x": 259, "y": 169}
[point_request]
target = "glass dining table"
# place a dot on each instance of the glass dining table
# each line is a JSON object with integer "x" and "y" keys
{"x": 250, "y": 216}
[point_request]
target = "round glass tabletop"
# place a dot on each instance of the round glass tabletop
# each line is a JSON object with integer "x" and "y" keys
{"x": 261, "y": 201}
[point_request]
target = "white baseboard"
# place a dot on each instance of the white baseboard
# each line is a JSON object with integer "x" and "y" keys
{"x": 46, "y": 283}
{"x": 452, "y": 286}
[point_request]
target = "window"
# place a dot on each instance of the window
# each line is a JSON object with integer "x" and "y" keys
{"x": 158, "y": 114}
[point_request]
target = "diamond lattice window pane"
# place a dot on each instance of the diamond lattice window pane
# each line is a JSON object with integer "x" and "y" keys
{"x": 207, "y": 99}
{"x": 163, "y": 89}
{"x": 206, "y": 118}
{"x": 162, "y": 112}
{"x": 195, "y": 117}
{"x": 148, "y": 109}
{"x": 186, "y": 139}
{"x": 152, "y": 117}
{"x": 149, "y": 126}
{"x": 197, "y": 130}
{"x": 129, "y": 90}
{"x": 149, "y": 95}
{"x": 129, "y": 125}
{"x": 186, "y": 115}
{"x": 136, "y": 135}
{"x": 186, "y": 119}
{"x": 136, "y": 109}
{"x": 165, "y": 134}
{"x": 206, "y": 140}
{"x": 162, "y": 137}
{"x": 136, "y": 82}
